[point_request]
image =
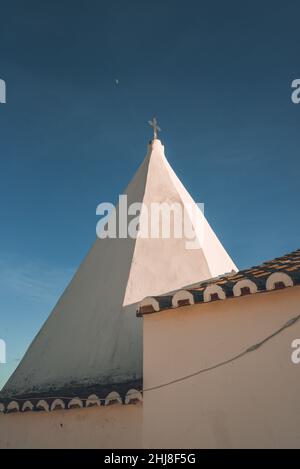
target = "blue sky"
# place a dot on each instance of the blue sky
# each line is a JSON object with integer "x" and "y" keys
{"x": 218, "y": 77}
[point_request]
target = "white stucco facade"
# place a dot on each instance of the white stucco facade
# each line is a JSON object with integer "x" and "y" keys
{"x": 115, "y": 426}
{"x": 251, "y": 402}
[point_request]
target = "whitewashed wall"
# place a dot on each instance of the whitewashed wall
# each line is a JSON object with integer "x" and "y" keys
{"x": 114, "y": 426}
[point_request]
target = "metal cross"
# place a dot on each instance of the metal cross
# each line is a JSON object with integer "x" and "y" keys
{"x": 155, "y": 127}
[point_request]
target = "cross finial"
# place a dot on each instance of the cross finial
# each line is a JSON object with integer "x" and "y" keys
{"x": 155, "y": 127}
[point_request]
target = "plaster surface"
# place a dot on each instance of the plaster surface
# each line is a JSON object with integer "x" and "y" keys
{"x": 251, "y": 402}
{"x": 114, "y": 426}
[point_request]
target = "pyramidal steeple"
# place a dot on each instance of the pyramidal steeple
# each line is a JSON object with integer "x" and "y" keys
{"x": 165, "y": 264}
{"x": 93, "y": 337}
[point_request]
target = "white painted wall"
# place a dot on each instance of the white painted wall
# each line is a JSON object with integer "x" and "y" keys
{"x": 115, "y": 426}
{"x": 92, "y": 335}
{"x": 251, "y": 402}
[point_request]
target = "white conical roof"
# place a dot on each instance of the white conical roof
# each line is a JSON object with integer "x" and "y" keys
{"x": 93, "y": 335}
{"x": 168, "y": 264}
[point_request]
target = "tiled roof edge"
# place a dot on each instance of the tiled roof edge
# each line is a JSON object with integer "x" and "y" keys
{"x": 279, "y": 273}
{"x": 124, "y": 393}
